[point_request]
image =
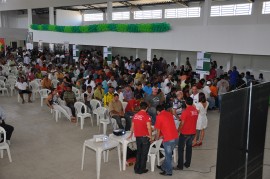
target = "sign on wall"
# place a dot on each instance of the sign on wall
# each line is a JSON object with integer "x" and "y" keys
{"x": 66, "y": 48}
{"x": 203, "y": 63}
{"x": 40, "y": 46}
{"x": 29, "y": 41}
{"x": 51, "y": 47}
{"x": 107, "y": 52}
{"x": 2, "y": 44}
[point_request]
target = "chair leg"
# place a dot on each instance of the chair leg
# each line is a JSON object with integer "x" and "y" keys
{"x": 104, "y": 155}
{"x": 92, "y": 121}
{"x": 98, "y": 160}
{"x": 104, "y": 129}
{"x": 83, "y": 153}
{"x": 107, "y": 155}
{"x": 82, "y": 122}
{"x": 153, "y": 159}
{"x": 9, "y": 156}
{"x": 119, "y": 156}
{"x": 56, "y": 115}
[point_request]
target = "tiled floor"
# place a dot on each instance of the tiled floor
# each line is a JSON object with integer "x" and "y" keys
{"x": 44, "y": 149}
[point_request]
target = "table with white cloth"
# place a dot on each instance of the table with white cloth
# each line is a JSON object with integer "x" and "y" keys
{"x": 124, "y": 141}
{"x": 100, "y": 147}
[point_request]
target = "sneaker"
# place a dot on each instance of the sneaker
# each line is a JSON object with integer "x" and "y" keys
{"x": 177, "y": 168}
{"x": 165, "y": 174}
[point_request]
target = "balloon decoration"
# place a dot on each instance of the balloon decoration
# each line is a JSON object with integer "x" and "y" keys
{"x": 131, "y": 28}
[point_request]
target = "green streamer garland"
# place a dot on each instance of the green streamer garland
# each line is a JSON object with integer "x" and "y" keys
{"x": 131, "y": 28}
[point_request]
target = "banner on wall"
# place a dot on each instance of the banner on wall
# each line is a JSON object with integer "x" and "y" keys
{"x": 203, "y": 64}
{"x": 66, "y": 48}
{"x": 40, "y": 46}
{"x": 2, "y": 44}
{"x": 51, "y": 47}
{"x": 107, "y": 52}
{"x": 29, "y": 41}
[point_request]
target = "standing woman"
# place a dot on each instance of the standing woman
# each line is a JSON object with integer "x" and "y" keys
{"x": 201, "y": 106}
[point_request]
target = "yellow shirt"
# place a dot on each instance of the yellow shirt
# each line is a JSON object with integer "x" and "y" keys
{"x": 108, "y": 98}
{"x": 99, "y": 94}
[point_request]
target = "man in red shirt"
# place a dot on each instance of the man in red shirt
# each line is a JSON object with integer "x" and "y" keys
{"x": 133, "y": 107}
{"x": 187, "y": 131}
{"x": 166, "y": 128}
{"x": 141, "y": 125}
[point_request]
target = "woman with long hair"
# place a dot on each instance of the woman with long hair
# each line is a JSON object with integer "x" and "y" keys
{"x": 201, "y": 106}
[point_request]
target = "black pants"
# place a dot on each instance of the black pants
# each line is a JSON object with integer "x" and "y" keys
{"x": 73, "y": 111}
{"x": 8, "y": 128}
{"x": 143, "y": 145}
{"x": 184, "y": 141}
{"x": 118, "y": 121}
{"x": 128, "y": 117}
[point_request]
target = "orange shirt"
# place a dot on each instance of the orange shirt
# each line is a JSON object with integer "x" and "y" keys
{"x": 214, "y": 90}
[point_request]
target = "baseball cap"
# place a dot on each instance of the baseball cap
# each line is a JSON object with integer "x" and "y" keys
{"x": 208, "y": 82}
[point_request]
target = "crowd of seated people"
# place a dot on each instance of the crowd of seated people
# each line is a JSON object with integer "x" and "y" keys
{"x": 125, "y": 80}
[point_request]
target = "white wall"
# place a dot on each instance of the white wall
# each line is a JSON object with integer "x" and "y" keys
{"x": 68, "y": 18}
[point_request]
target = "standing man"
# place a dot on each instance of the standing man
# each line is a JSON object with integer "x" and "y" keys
{"x": 187, "y": 131}
{"x": 70, "y": 98}
{"x": 166, "y": 129}
{"x": 141, "y": 125}
{"x": 195, "y": 94}
{"x": 9, "y": 129}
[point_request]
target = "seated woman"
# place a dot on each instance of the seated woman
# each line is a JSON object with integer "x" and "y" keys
{"x": 53, "y": 102}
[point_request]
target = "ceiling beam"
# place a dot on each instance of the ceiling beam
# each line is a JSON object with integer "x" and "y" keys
{"x": 182, "y": 3}
{"x": 95, "y": 8}
{"x": 126, "y": 3}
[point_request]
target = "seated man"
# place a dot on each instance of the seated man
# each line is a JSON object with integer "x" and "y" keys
{"x": 108, "y": 97}
{"x": 23, "y": 87}
{"x": 46, "y": 82}
{"x": 87, "y": 96}
{"x": 117, "y": 112}
{"x": 133, "y": 107}
{"x": 70, "y": 98}
{"x": 9, "y": 129}
{"x": 99, "y": 92}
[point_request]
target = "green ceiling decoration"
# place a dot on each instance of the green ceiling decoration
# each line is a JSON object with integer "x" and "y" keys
{"x": 130, "y": 28}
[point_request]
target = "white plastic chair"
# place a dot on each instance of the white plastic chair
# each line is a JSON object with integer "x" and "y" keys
{"x": 103, "y": 117}
{"x": 10, "y": 83}
{"x": 35, "y": 89}
{"x": 3, "y": 87}
{"x": 77, "y": 93}
{"x": 3, "y": 78}
{"x": 4, "y": 145}
{"x": 175, "y": 152}
{"x": 38, "y": 82}
{"x": 79, "y": 106}
{"x": 94, "y": 105}
{"x": 124, "y": 104}
{"x": 57, "y": 113}
{"x": 73, "y": 80}
{"x": 12, "y": 77}
{"x": 54, "y": 83}
{"x": 43, "y": 95}
{"x": 154, "y": 152}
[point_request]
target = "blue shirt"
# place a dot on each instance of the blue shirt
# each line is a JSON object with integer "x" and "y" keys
{"x": 147, "y": 90}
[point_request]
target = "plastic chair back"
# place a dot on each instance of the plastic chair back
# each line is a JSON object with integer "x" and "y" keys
{"x": 3, "y": 133}
{"x": 155, "y": 150}
{"x": 79, "y": 106}
{"x": 44, "y": 93}
{"x": 95, "y": 104}
{"x": 55, "y": 82}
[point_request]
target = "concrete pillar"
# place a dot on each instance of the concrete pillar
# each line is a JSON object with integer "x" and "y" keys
{"x": 30, "y": 18}
{"x": 230, "y": 63}
{"x": 0, "y": 19}
{"x": 109, "y": 12}
{"x": 206, "y": 11}
{"x": 51, "y": 15}
{"x": 149, "y": 54}
{"x": 3, "y": 19}
{"x": 137, "y": 53}
{"x": 176, "y": 58}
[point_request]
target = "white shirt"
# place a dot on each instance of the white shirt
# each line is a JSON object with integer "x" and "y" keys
{"x": 92, "y": 84}
{"x": 114, "y": 83}
{"x": 89, "y": 96}
{"x": 26, "y": 60}
{"x": 167, "y": 90}
{"x": 206, "y": 91}
{"x": 195, "y": 98}
{"x": 21, "y": 86}
{"x": 39, "y": 61}
{"x": 121, "y": 96}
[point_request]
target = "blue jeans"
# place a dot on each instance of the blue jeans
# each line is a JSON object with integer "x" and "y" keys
{"x": 219, "y": 101}
{"x": 211, "y": 101}
{"x": 185, "y": 140}
{"x": 168, "y": 148}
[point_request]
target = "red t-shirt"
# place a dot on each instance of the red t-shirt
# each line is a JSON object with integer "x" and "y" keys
{"x": 189, "y": 117}
{"x": 133, "y": 103}
{"x": 140, "y": 121}
{"x": 165, "y": 123}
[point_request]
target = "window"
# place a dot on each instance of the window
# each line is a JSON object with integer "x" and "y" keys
{"x": 121, "y": 15}
{"x": 183, "y": 12}
{"x": 150, "y": 14}
{"x": 266, "y": 7}
{"x": 93, "y": 17}
{"x": 231, "y": 10}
